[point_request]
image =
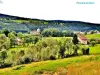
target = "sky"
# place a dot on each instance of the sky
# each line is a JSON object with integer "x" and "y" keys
{"x": 53, "y": 9}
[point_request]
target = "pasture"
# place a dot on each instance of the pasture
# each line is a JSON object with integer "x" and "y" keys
{"x": 89, "y": 36}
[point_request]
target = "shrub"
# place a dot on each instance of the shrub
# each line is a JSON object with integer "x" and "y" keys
{"x": 36, "y": 39}
{"x": 61, "y": 51}
{"x": 91, "y": 31}
{"x": 85, "y": 50}
{"x": 4, "y": 42}
{"x": 45, "y": 54}
{"x": 8, "y": 61}
{"x": 6, "y": 32}
{"x": 3, "y": 54}
{"x": 52, "y": 57}
{"x": 97, "y": 41}
{"x": 25, "y": 60}
{"x": 93, "y": 43}
{"x": 21, "y": 53}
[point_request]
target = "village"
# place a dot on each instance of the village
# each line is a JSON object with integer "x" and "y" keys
{"x": 81, "y": 36}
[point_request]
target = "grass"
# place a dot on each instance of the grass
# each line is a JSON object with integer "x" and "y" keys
{"x": 57, "y": 38}
{"x": 89, "y": 36}
{"x": 95, "y": 49}
{"x": 45, "y": 66}
{"x": 17, "y": 49}
{"x": 87, "y": 68}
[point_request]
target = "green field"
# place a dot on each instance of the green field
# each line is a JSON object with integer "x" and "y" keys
{"x": 57, "y": 38}
{"x": 89, "y": 36}
{"x": 47, "y": 66}
{"x": 95, "y": 49}
{"x": 17, "y": 49}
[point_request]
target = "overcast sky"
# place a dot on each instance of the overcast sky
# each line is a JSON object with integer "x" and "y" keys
{"x": 53, "y": 9}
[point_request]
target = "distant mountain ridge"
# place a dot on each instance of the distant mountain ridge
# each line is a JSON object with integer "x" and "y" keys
{"x": 59, "y": 21}
{"x": 22, "y": 24}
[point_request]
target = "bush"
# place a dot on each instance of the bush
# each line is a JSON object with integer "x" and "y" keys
{"x": 8, "y": 61}
{"x": 91, "y": 31}
{"x": 97, "y": 41}
{"x": 52, "y": 57}
{"x": 3, "y": 54}
{"x": 4, "y": 42}
{"x": 93, "y": 43}
{"x": 6, "y": 32}
{"x": 5, "y": 65}
{"x": 25, "y": 60}
{"x": 85, "y": 50}
{"x": 61, "y": 51}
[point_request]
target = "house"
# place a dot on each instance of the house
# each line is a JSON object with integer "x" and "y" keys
{"x": 82, "y": 39}
{"x": 18, "y": 41}
{"x": 35, "y": 32}
{"x": 78, "y": 32}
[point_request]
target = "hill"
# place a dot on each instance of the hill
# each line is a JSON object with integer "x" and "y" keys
{"x": 21, "y": 24}
{"x": 69, "y": 66}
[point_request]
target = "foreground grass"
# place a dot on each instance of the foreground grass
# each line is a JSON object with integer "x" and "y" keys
{"x": 87, "y": 68}
{"x": 37, "y": 68}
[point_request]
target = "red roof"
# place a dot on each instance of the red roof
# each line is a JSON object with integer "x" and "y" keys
{"x": 82, "y": 37}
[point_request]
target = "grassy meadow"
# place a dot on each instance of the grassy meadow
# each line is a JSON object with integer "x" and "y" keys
{"x": 95, "y": 50}
{"x": 60, "y": 66}
{"x": 89, "y": 36}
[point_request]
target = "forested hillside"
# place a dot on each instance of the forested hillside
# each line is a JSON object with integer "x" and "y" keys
{"x": 20, "y": 24}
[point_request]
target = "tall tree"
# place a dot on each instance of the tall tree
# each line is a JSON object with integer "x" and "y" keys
{"x": 6, "y": 32}
{"x": 75, "y": 42}
{"x": 3, "y": 54}
{"x": 4, "y": 42}
{"x": 75, "y": 39}
{"x": 12, "y": 38}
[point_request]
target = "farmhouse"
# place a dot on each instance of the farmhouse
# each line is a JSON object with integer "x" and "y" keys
{"x": 82, "y": 39}
{"x": 35, "y": 32}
